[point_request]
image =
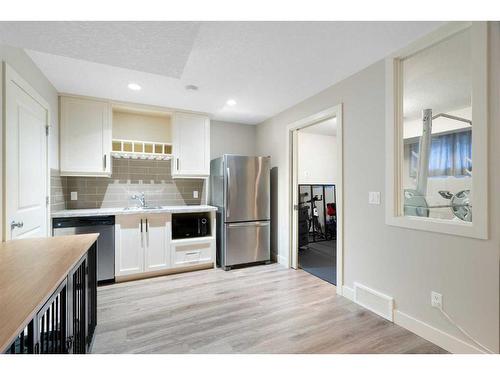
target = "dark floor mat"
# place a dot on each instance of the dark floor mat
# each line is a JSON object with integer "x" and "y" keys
{"x": 319, "y": 259}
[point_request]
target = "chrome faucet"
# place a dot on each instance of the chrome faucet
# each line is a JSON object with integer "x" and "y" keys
{"x": 141, "y": 198}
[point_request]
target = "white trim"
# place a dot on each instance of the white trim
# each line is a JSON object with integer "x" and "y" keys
{"x": 377, "y": 305}
{"x": 282, "y": 260}
{"x": 9, "y": 74}
{"x": 348, "y": 293}
{"x": 444, "y": 340}
{"x": 291, "y": 177}
{"x": 394, "y": 140}
{"x": 434, "y": 335}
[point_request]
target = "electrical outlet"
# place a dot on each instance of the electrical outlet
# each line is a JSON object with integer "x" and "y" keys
{"x": 437, "y": 300}
{"x": 74, "y": 195}
{"x": 195, "y": 193}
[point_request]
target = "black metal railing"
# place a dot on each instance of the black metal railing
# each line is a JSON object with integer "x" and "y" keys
{"x": 51, "y": 322}
{"x": 79, "y": 312}
{"x": 24, "y": 342}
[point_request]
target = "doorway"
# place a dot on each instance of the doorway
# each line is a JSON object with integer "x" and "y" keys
{"x": 315, "y": 195}
{"x": 317, "y": 243}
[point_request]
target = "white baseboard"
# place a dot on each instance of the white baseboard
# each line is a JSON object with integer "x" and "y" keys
{"x": 282, "y": 260}
{"x": 348, "y": 292}
{"x": 434, "y": 335}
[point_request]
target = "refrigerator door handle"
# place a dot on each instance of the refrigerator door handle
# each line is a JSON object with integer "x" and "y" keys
{"x": 250, "y": 224}
{"x": 228, "y": 210}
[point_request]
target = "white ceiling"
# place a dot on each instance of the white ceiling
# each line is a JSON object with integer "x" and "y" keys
{"x": 265, "y": 66}
{"x": 327, "y": 127}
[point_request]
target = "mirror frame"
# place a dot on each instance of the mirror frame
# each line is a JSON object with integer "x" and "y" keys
{"x": 478, "y": 228}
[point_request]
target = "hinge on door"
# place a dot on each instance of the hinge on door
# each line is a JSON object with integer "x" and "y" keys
{"x": 47, "y": 127}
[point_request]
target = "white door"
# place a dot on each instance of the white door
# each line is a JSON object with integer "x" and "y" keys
{"x": 156, "y": 239}
{"x": 129, "y": 244}
{"x": 85, "y": 137}
{"x": 191, "y": 145}
{"x": 26, "y": 208}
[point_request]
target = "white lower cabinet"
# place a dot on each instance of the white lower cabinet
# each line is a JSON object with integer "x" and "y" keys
{"x": 157, "y": 241}
{"x": 193, "y": 251}
{"x": 142, "y": 243}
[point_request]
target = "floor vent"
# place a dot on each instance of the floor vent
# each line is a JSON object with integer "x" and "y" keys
{"x": 375, "y": 301}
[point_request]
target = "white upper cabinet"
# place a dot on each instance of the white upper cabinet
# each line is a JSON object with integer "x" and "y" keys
{"x": 191, "y": 145}
{"x": 85, "y": 137}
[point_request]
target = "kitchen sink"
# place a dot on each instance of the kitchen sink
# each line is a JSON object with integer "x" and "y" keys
{"x": 142, "y": 208}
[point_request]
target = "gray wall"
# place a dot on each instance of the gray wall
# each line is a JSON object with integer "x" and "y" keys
{"x": 403, "y": 263}
{"x": 231, "y": 138}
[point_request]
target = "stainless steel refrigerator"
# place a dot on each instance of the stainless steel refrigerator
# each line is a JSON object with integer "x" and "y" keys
{"x": 240, "y": 189}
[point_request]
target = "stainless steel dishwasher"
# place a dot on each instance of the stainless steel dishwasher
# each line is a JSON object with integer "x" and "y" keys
{"x": 105, "y": 226}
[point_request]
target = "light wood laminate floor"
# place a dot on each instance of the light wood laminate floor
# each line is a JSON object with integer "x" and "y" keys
{"x": 262, "y": 309}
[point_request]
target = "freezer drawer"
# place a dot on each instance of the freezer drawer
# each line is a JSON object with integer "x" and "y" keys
{"x": 247, "y": 242}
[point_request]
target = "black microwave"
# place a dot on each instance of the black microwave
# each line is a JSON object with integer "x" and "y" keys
{"x": 190, "y": 225}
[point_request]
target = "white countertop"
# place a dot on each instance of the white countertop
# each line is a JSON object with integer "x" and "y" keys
{"x": 121, "y": 211}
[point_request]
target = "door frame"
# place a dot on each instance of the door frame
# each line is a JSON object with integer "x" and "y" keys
{"x": 292, "y": 192}
{"x": 9, "y": 74}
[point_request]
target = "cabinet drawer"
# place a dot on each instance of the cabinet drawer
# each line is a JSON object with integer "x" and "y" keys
{"x": 187, "y": 254}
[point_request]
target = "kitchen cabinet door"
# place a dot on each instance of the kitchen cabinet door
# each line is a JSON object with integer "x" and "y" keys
{"x": 191, "y": 146}
{"x": 129, "y": 244}
{"x": 85, "y": 136}
{"x": 157, "y": 233}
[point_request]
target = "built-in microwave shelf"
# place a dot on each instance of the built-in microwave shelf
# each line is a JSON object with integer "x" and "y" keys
{"x": 130, "y": 149}
{"x": 191, "y": 225}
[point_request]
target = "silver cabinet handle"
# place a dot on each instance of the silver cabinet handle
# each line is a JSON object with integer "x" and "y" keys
{"x": 147, "y": 224}
{"x": 141, "y": 225}
{"x": 105, "y": 161}
{"x": 16, "y": 224}
{"x": 177, "y": 160}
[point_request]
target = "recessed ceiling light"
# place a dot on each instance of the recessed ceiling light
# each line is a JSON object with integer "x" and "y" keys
{"x": 191, "y": 87}
{"x": 231, "y": 102}
{"x": 134, "y": 86}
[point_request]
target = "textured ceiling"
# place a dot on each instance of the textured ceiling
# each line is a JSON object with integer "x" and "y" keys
{"x": 154, "y": 47}
{"x": 265, "y": 66}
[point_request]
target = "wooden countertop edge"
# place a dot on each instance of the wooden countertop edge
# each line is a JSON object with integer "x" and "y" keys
{"x": 27, "y": 320}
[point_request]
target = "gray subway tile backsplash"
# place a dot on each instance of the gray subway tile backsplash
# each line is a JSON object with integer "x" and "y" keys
{"x": 129, "y": 177}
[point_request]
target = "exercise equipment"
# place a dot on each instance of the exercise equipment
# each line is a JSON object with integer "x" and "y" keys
{"x": 415, "y": 203}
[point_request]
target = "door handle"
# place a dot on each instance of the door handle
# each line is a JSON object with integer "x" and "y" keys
{"x": 228, "y": 210}
{"x": 250, "y": 224}
{"x": 16, "y": 224}
{"x": 177, "y": 160}
{"x": 141, "y": 225}
{"x": 105, "y": 161}
{"x": 147, "y": 224}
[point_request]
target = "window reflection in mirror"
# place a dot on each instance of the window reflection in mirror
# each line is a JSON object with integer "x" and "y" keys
{"x": 437, "y": 130}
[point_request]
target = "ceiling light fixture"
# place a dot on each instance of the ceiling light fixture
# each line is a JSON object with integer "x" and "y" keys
{"x": 134, "y": 86}
{"x": 231, "y": 102}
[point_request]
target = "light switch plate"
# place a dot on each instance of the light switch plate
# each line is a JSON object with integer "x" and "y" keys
{"x": 195, "y": 193}
{"x": 374, "y": 197}
{"x": 74, "y": 195}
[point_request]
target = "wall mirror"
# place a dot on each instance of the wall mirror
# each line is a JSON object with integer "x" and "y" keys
{"x": 437, "y": 91}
